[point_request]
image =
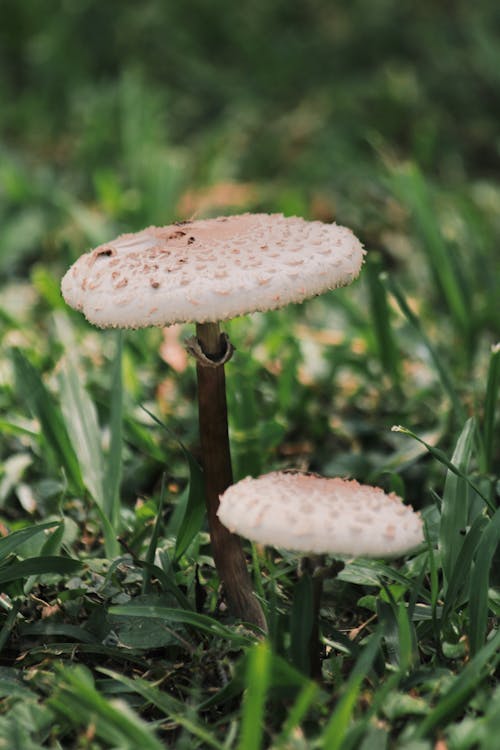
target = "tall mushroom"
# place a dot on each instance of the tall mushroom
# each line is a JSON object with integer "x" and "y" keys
{"x": 204, "y": 272}
{"x": 312, "y": 514}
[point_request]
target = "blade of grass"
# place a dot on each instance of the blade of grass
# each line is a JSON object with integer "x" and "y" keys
{"x": 51, "y": 546}
{"x": 297, "y": 712}
{"x": 387, "y": 616}
{"x": 35, "y": 566}
{"x": 80, "y": 417}
{"x": 91, "y": 650}
{"x": 47, "y": 628}
{"x": 462, "y": 688}
{"x": 440, "y": 456}
{"x": 42, "y": 405}
{"x": 492, "y": 389}
{"x": 411, "y": 186}
{"x": 246, "y": 444}
{"x": 434, "y": 584}
{"x": 455, "y": 506}
{"x": 194, "y": 513}
{"x": 12, "y": 541}
{"x": 9, "y": 623}
{"x": 380, "y": 317}
{"x": 254, "y": 701}
{"x": 202, "y": 622}
{"x": 76, "y": 698}
{"x": 81, "y": 422}
{"x": 336, "y": 728}
{"x": 441, "y": 370}
{"x": 408, "y": 654}
{"x": 460, "y": 577}
{"x": 151, "y": 551}
{"x": 479, "y": 584}
{"x": 172, "y": 708}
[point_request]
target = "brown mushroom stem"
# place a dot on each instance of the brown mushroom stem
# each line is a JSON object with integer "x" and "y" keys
{"x": 216, "y": 458}
{"x": 313, "y": 566}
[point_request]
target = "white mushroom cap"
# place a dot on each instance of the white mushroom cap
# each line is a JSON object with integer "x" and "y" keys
{"x": 210, "y": 270}
{"x": 308, "y": 513}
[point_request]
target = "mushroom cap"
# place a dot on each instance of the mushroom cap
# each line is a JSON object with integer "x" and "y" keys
{"x": 308, "y": 513}
{"x": 210, "y": 270}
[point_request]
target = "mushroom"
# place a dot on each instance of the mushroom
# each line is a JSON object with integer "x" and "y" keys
{"x": 207, "y": 271}
{"x": 313, "y": 514}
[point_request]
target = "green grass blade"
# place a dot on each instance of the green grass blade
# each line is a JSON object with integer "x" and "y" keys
{"x": 244, "y": 428}
{"x": 50, "y": 547}
{"x": 81, "y": 421}
{"x": 387, "y": 617}
{"x": 455, "y": 506}
{"x": 42, "y": 406}
{"x": 166, "y": 578}
{"x": 462, "y": 688}
{"x": 194, "y": 513}
{"x": 201, "y": 622}
{"x": 443, "y": 459}
{"x": 76, "y": 698}
{"x": 441, "y": 370}
{"x": 381, "y": 317}
{"x": 10, "y": 623}
{"x": 80, "y": 417}
{"x": 337, "y": 726}
{"x": 460, "y": 576}
{"x": 411, "y": 186}
{"x": 407, "y": 641}
{"x": 305, "y": 699}
{"x": 434, "y": 582}
{"x": 113, "y": 469}
{"x": 492, "y": 389}
{"x": 171, "y": 707}
{"x": 479, "y": 584}
{"x": 48, "y": 628}
{"x": 13, "y": 541}
{"x": 102, "y": 480}
{"x": 254, "y": 701}
{"x": 35, "y": 566}
{"x": 111, "y": 544}
{"x": 153, "y": 544}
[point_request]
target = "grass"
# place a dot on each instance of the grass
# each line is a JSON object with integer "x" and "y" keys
{"x": 113, "y": 633}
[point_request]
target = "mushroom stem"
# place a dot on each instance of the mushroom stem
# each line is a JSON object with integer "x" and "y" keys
{"x": 313, "y": 565}
{"x": 227, "y": 548}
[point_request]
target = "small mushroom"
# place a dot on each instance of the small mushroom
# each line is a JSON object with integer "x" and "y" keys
{"x": 212, "y": 288}
{"x": 312, "y": 514}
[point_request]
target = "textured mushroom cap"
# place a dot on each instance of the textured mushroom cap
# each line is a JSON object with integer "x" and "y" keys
{"x": 308, "y": 513}
{"x": 210, "y": 270}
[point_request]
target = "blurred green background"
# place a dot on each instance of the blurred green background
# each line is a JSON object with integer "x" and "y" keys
{"x": 113, "y": 114}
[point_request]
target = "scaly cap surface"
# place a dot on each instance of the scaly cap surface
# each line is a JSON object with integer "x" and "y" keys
{"x": 308, "y": 513}
{"x": 210, "y": 270}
